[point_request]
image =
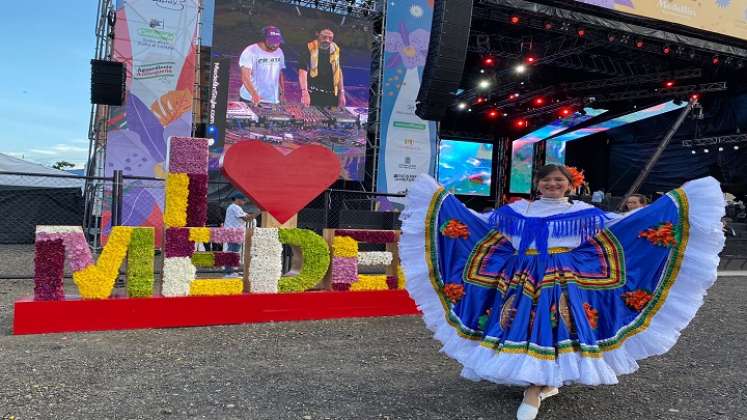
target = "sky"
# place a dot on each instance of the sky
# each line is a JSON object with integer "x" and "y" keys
{"x": 46, "y": 47}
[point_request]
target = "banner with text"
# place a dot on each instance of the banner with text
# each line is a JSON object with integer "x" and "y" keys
{"x": 407, "y": 146}
{"x": 156, "y": 39}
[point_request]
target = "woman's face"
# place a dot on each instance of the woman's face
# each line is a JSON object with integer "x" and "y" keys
{"x": 554, "y": 185}
{"x": 633, "y": 203}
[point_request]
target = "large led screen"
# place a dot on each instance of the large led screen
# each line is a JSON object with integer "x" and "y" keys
{"x": 522, "y": 149}
{"x": 620, "y": 121}
{"x": 465, "y": 167}
{"x": 297, "y": 76}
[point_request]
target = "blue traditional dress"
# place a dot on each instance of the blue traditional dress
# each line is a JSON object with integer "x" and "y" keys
{"x": 552, "y": 292}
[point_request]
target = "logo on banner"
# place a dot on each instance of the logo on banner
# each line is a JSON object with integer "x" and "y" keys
{"x": 164, "y": 69}
{"x": 170, "y": 4}
{"x": 155, "y": 34}
{"x": 156, "y": 23}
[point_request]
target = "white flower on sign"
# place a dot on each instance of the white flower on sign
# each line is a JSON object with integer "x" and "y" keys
{"x": 374, "y": 259}
{"x": 178, "y": 273}
{"x": 266, "y": 265}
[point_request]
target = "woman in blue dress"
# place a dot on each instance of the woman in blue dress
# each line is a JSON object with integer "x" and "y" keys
{"x": 553, "y": 292}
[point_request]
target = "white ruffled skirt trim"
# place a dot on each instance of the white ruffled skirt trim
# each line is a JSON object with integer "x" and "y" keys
{"x": 697, "y": 273}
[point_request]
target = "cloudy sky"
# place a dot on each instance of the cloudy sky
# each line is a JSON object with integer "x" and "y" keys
{"x": 45, "y": 79}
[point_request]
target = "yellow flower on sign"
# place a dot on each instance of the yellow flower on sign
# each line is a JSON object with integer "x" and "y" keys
{"x": 200, "y": 234}
{"x": 177, "y": 192}
{"x": 216, "y": 287}
{"x": 369, "y": 282}
{"x": 97, "y": 281}
{"x": 400, "y": 277}
{"x": 344, "y": 246}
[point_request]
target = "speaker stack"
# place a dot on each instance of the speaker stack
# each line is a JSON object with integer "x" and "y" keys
{"x": 445, "y": 62}
{"x": 107, "y": 82}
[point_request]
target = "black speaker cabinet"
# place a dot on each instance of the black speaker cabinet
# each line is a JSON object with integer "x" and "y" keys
{"x": 446, "y": 54}
{"x": 107, "y": 82}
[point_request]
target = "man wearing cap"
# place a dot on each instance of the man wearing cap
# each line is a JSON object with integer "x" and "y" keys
{"x": 320, "y": 72}
{"x": 236, "y": 217}
{"x": 262, "y": 66}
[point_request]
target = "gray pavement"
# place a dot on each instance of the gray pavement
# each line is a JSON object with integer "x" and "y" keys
{"x": 385, "y": 368}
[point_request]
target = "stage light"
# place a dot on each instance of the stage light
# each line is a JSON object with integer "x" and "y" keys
{"x": 715, "y": 60}
{"x": 705, "y": 150}
{"x": 520, "y": 69}
{"x": 488, "y": 61}
{"x": 482, "y": 71}
{"x": 565, "y": 112}
{"x": 720, "y": 149}
{"x": 515, "y": 19}
{"x": 513, "y": 96}
{"x": 530, "y": 60}
{"x": 484, "y": 84}
{"x": 469, "y": 110}
{"x": 639, "y": 43}
{"x": 669, "y": 83}
{"x": 694, "y": 97}
{"x": 693, "y": 152}
{"x": 539, "y": 101}
{"x": 480, "y": 100}
{"x": 462, "y": 105}
{"x": 581, "y": 32}
{"x": 211, "y": 129}
{"x": 493, "y": 113}
{"x": 736, "y": 147}
{"x": 505, "y": 114}
{"x": 548, "y": 26}
{"x": 666, "y": 49}
{"x": 520, "y": 123}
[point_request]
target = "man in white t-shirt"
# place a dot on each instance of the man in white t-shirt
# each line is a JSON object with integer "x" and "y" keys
{"x": 236, "y": 217}
{"x": 262, "y": 66}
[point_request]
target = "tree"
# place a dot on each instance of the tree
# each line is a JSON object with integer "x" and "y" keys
{"x": 62, "y": 164}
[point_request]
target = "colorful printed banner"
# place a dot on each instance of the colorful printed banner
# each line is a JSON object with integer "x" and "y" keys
{"x": 726, "y": 17}
{"x": 408, "y": 144}
{"x": 156, "y": 39}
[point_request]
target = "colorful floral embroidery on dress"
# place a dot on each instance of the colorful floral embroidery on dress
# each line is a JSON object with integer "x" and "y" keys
{"x": 454, "y": 292}
{"x": 592, "y": 315}
{"x": 661, "y": 235}
{"x": 454, "y": 229}
{"x": 637, "y": 299}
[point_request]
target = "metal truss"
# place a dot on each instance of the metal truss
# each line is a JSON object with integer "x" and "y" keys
{"x": 710, "y": 141}
{"x": 677, "y": 91}
{"x": 356, "y": 8}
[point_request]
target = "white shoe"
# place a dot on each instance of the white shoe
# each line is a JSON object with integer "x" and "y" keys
{"x": 528, "y": 411}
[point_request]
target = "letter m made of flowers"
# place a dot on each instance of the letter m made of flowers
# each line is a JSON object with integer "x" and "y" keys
{"x": 56, "y": 244}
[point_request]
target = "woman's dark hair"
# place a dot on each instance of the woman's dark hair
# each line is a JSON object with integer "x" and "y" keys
{"x": 548, "y": 169}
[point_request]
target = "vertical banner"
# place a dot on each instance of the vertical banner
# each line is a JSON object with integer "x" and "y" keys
{"x": 408, "y": 144}
{"x": 156, "y": 39}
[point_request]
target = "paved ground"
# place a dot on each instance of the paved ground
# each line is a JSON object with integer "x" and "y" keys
{"x": 348, "y": 369}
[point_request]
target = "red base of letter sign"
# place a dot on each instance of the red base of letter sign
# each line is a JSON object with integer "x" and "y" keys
{"x": 76, "y": 315}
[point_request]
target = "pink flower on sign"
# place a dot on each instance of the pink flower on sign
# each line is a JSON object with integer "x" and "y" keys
{"x": 411, "y": 46}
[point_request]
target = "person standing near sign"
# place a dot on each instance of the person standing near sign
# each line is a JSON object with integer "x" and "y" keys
{"x": 236, "y": 217}
{"x": 262, "y": 66}
{"x": 320, "y": 72}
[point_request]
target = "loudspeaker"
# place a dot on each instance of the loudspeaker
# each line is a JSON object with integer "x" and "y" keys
{"x": 446, "y": 54}
{"x": 107, "y": 82}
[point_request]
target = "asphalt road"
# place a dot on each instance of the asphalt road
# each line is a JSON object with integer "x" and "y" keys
{"x": 386, "y": 368}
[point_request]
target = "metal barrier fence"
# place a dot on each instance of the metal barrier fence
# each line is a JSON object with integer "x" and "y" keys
{"x": 28, "y": 200}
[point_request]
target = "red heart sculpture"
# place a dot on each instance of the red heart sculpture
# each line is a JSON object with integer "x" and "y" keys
{"x": 280, "y": 184}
